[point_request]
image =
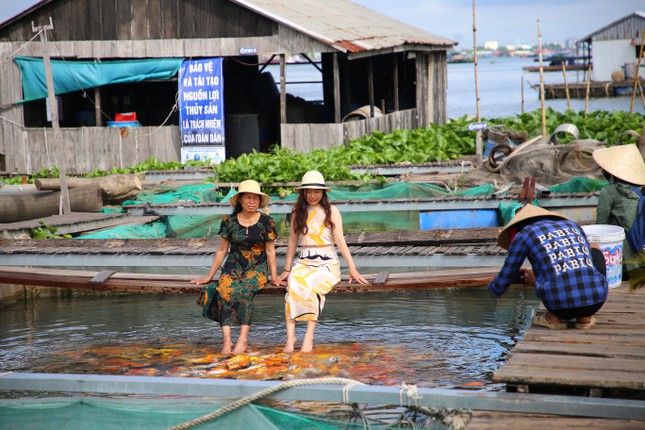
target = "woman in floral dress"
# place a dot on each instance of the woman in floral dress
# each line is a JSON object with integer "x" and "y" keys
{"x": 247, "y": 239}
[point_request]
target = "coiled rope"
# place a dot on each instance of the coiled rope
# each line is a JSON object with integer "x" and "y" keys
{"x": 267, "y": 392}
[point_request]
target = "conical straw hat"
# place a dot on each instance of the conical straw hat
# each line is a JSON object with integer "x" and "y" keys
{"x": 623, "y": 161}
{"x": 250, "y": 186}
{"x": 527, "y": 212}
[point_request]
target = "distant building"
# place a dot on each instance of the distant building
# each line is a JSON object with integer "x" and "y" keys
{"x": 491, "y": 46}
{"x": 615, "y": 47}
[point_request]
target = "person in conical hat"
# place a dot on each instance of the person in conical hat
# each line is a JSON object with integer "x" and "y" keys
{"x": 246, "y": 254}
{"x": 316, "y": 226}
{"x": 568, "y": 274}
{"x": 624, "y": 168}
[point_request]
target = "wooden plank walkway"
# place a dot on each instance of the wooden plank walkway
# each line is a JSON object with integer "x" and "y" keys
{"x": 607, "y": 360}
{"x": 180, "y": 284}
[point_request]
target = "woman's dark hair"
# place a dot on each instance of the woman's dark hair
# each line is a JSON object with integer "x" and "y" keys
{"x": 299, "y": 212}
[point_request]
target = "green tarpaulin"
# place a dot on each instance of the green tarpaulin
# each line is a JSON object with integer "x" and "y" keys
{"x": 72, "y": 76}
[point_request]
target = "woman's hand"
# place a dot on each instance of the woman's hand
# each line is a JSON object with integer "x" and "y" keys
{"x": 283, "y": 277}
{"x": 201, "y": 281}
{"x": 353, "y": 274}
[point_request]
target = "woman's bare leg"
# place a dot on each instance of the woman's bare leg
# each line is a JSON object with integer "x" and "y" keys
{"x": 240, "y": 345}
{"x": 227, "y": 344}
{"x": 308, "y": 341}
{"x": 291, "y": 336}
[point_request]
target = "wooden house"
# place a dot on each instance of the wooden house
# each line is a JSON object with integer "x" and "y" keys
{"x": 388, "y": 74}
{"x": 615, "y": 47}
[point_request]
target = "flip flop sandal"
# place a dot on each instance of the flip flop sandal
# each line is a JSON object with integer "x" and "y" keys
{"x": 543, "y": 322}
{"x": 585, "y": 326}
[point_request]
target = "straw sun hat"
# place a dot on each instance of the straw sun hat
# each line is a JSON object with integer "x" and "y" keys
{"x": 313, "y": 180}
{"x": 527, "y": 212}
{"x": 623, "y": 161}
{"x": 249, "y": 186}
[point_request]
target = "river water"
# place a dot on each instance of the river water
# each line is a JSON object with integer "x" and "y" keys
{"x": 505, "y": 89}
{"x": 441, "y": 337}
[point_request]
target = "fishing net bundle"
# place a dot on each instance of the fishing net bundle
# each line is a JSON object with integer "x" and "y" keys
{"x": 550, "y": 161}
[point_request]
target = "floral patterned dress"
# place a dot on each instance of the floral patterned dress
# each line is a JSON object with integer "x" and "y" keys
{"x": 245, "y": 271}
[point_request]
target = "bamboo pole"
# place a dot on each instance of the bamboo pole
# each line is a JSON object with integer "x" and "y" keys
{"x": 638, "y": 66}
{"x": 587, "y": 91}
{"x": 566, "y": 85}
{"x": 640, "y": 87}
{"x": 541, "y": 80}
{"x": 522, "y": 94}
{"x": 479, "y": 147}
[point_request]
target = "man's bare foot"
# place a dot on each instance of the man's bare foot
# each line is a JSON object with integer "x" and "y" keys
{"x": 226, "y": 348}
{"x": 552, "y": 318}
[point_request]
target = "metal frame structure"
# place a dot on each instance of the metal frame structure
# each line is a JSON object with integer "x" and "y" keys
{"x": 369, "y": 394}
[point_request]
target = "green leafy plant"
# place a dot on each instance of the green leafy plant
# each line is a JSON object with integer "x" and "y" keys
{"x": 47, "y": 232}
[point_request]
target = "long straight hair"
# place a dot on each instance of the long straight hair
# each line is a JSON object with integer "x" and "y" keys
{"x": 299, "y": 213}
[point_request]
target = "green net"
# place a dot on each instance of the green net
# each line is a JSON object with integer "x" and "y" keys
{"x": 146, "y": 414}
{"x": 199, "y": 226}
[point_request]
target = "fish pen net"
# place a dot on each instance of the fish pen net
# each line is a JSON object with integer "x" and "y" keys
{"x": 107, "y": 413}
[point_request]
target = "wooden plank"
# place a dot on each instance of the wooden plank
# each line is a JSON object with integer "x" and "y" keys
{"x": 486, "y": 420}
{"x": 102, "y": 277}
{"x": 381, "y": 278}
{"x": 540, "y": 361}
{"x": 615, "y": 350}
{"x": 571, "y": 377}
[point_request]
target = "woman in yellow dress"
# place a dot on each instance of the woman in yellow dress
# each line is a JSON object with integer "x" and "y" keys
{"x": 316, "y": 226}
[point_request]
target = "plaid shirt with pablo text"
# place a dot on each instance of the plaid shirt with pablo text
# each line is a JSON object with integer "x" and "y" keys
{"x": 560, "y": 256}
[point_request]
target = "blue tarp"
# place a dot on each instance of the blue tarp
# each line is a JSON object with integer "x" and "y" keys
{"x": 72, "y": 76}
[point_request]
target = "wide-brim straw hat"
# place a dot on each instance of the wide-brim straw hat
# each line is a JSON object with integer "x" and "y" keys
{"x": 250, "y": 186}
{"x": 623, "y": 161}
{"x": 312, "y": 180}
{"x": 527, "y": 212}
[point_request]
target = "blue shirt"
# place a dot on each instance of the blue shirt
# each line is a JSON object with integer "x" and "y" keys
{"x": 560, "y": 256}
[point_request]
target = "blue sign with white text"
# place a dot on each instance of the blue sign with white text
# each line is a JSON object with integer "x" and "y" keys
{"x": 201, "y": 102}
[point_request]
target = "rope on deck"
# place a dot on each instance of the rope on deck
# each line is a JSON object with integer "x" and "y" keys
{"x": 264, "y": 393}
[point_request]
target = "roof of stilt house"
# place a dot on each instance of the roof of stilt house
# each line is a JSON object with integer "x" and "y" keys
{"x": 341, "y": 24}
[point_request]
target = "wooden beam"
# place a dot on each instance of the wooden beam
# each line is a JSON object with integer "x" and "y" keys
{"x": 336, "y": 89}
{"x": 283, "y": 90}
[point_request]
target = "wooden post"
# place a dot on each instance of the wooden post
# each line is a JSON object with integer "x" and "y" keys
{"x": 395, "y": 73}
{"x": 587, "y": 91}
{"x": 336, "y": 89}
{"x": 479, "y": 147}
{"x": 370, "y": 85}
{"x": 638, "y": 66}
{"x": 283, "y": 90}
{"x": 65, "y": 207}
{"x": 97, "y": 107}
{"x": 542, "y": 104}
{"x": 566, "y": 85}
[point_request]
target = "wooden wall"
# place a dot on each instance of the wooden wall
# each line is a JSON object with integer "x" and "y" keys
{"x": 88, "y": 148}
{"x": 142, "y": 19}
{"x": 307, "y": 137}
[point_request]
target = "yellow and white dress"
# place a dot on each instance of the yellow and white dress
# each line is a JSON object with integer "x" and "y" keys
{"x": 315, "y": 272}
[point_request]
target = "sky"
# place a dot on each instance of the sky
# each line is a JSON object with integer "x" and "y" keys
{"x": 509, "y": 22}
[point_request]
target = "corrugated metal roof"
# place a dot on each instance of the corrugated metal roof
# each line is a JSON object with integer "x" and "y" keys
{"x": 344, "y": 25}
{"x": 637, "y": 14}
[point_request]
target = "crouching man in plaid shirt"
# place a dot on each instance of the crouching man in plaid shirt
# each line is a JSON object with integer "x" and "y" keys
{"x": 569, "y": 275}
